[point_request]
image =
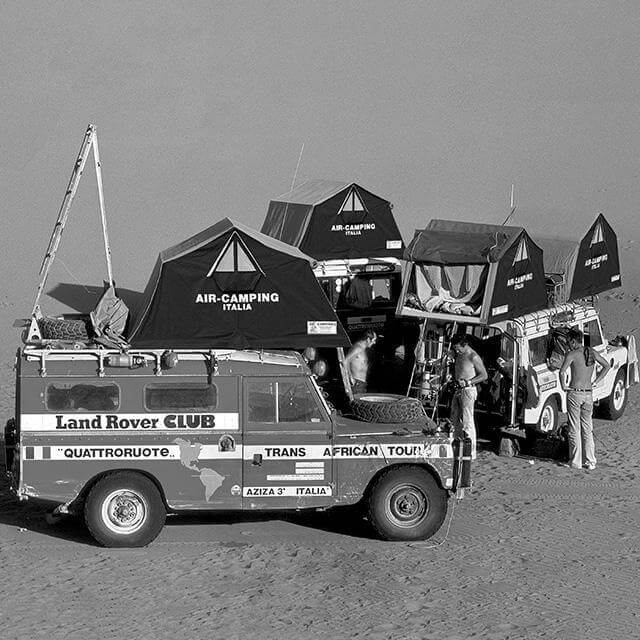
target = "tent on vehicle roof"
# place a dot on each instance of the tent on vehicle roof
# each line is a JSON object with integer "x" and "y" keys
{"x": 334, "y": 221}
{"x": 481, "y": 273}
{"x": 232, "y": 287}
{"x": 580, "y": 268}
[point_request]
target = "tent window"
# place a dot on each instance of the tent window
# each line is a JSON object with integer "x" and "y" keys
{"x": 597, "y": 235}
{"x": 352, "y": 203}
{"x": 184, "y": 396}
{"x": 82, "y": 397}
{"x": 234, "y": 257}
{"x": 522, "y": 253}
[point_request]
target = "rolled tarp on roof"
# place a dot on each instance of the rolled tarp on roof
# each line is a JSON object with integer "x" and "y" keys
{"x": 486, "y": 273}
{"x": 583, "y": 267}
{"x": 332, "y": 220}
{"x": 232, "y": 287}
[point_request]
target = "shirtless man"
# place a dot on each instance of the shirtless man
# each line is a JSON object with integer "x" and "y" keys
{"x": 469, "y": 371}
{"x": 358, "y": 361}
{"x": 581, "y": 361}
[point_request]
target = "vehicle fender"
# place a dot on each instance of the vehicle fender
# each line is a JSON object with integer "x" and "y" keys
{"x": 76, "y": 505}
{"x": 410, "y": 463}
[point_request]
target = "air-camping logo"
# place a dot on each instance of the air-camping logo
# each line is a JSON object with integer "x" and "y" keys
{"x": 353, "y": 209}
{"x": 236, "y": 273}
{"x": 520, "y": 263}
{"x": 597, "y": 240}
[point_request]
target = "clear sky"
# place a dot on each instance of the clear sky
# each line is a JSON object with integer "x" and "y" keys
{"x": 202, "y": 109}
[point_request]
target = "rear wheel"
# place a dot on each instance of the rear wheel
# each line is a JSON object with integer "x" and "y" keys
{"x": 406, "y": 503}
{"x": 124, "y": 509}
{"x": 612, "y": 407}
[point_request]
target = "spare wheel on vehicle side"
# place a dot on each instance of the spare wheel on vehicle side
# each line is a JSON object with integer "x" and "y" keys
{"x": 65, "y": 328}
{"x": 387, "y": 408}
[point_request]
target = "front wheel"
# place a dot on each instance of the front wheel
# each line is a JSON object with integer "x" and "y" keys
{"x": 613, "y": 406}
{"x": 548, "y": 421}
{"x": 124, "y": 510}
{"x": 407, "y": 504}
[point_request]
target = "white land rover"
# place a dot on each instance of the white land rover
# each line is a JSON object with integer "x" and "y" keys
{"x": 522, "y": 358}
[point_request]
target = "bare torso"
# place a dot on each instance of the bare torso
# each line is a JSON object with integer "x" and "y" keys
{"x": 465, "y": 365}
{"x": 358, "y": 362}
{"x": 581, "y": 372}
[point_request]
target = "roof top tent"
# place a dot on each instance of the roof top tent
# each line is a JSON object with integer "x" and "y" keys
{"x": 334, "y": 221}
{"x": 578, "y": 269}
{"x": 476, "y": 273}
{"x": 232, "y": 287}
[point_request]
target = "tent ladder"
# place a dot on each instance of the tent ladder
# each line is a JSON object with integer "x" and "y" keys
{"x": 89, "y": 142}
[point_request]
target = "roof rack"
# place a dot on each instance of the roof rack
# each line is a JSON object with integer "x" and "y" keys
{"x": 162, "y": 359}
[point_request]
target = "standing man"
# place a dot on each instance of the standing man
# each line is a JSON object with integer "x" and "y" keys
{"x": 581, "y": 361}
{"x": 469, "y": 371}
{"x": 358, "y": 361}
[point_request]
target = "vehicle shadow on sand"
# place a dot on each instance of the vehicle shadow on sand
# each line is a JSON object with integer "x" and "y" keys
{"x": 33, "y": 516}
{"x": 347, "y": 521}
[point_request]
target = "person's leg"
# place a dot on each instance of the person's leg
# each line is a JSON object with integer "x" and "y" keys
{"x": 573, "y": 432}
{"x": 456, "y": 415}
{"x": 586, "y": 427}
{"x": 467, "y": 401}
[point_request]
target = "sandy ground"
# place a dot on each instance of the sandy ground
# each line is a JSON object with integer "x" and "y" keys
{"x": 536, "y": 551}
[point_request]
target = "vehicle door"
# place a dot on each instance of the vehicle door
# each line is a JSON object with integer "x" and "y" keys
{"x": 593, "y": 338}
{"x": 542, "y": 382}
{"x": 287, "y": 444}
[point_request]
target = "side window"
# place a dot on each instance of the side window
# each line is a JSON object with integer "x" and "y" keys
{"x": 538, "y": 350}
{"x": 180, "y": 396}
{"x": 82, "y": 397}
{"x": 296, "y": 404}
{"x": 592, "y": 333}
{"x": 506, "y": 348}
{"x": 261, "y": 401}
{"x": 281, "y": 401}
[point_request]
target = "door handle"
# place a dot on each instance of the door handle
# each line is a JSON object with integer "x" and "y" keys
{"x": 257, "y": 459}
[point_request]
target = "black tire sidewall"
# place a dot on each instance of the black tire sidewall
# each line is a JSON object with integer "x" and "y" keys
{"x": 387, "y": 484}
{"x": 155, "y": 516}
{"x": 389, "y": 410}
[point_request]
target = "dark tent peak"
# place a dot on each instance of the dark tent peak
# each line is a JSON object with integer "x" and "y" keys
{"x": 484, "y": 272}
{"x": 230, "y": 286}
{"x": 332, "y": 220}
{"x": 584, "y": 267}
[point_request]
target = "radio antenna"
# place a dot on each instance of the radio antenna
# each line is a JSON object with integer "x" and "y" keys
{"x": 512, "y": 206}
{"x": 293, "y": 184}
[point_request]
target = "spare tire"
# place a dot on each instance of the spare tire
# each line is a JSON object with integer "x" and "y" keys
{"x": 64, "y": 329}
{"x": 387, "y": 408}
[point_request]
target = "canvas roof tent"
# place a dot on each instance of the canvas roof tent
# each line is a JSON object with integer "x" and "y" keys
{"x": 334, "y": 221}
{"x": 581, "y": 268}
{"x": 480, "y": 272}
{"x": 232, "y": 287}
